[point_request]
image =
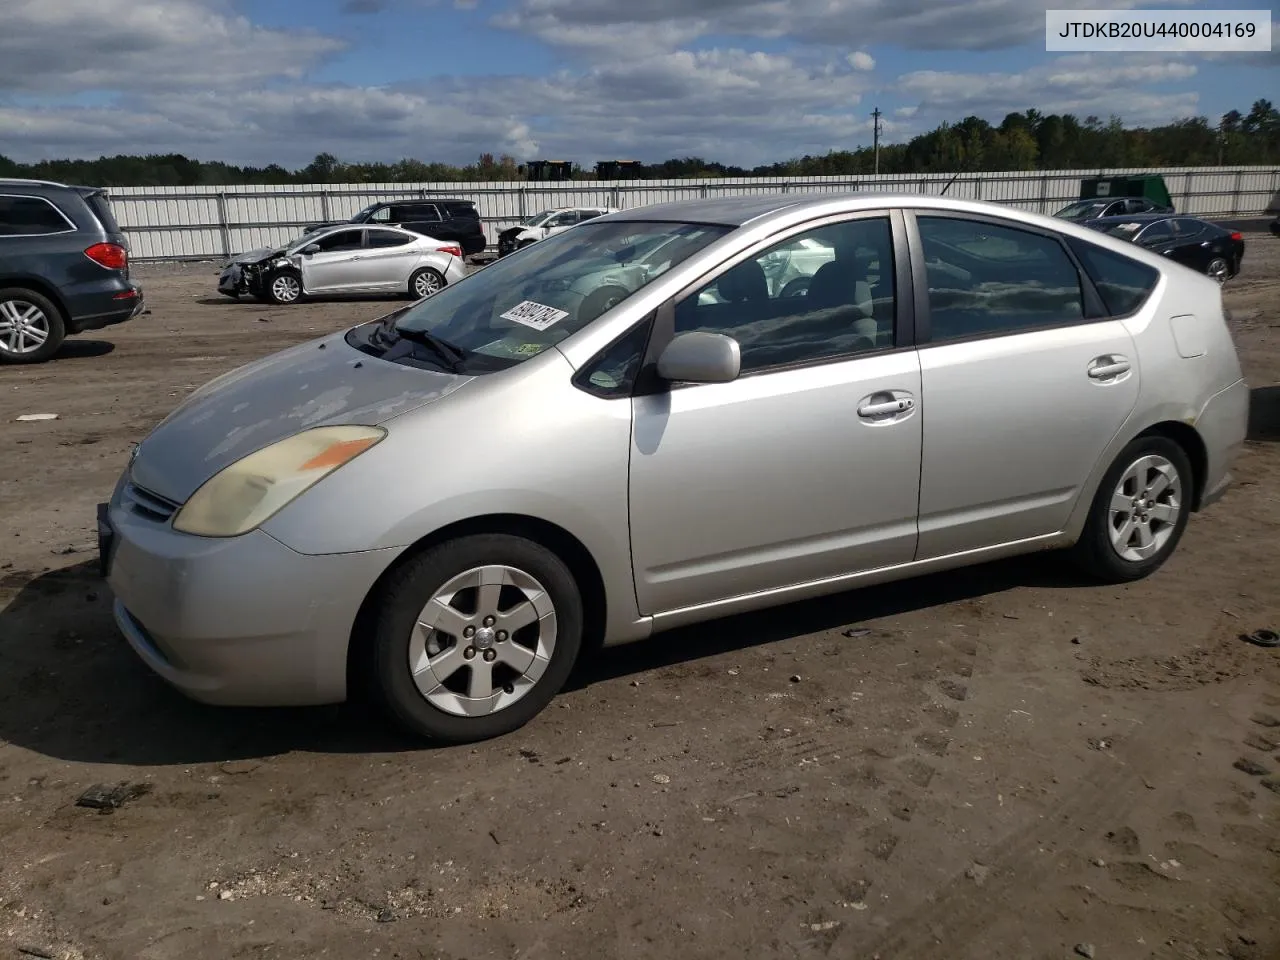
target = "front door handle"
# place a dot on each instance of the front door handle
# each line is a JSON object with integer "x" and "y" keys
{"x": 880, "y": 406}
{"x": 1107, "y": 368}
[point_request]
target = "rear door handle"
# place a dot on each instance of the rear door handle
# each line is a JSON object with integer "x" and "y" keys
{"x": 1104, "y": 368}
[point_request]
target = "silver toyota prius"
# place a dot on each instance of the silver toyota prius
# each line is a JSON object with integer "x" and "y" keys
{"x": 645, "y": 422}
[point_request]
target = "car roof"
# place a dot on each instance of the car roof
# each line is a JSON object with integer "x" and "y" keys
{"x": 738, "y": 211}
{"x": 19, "y": 182}
{"x": 1143, "y": 218}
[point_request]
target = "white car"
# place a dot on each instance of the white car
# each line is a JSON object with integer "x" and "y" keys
{"x": 546, "y": 224}
{"x": 342, "y": 260}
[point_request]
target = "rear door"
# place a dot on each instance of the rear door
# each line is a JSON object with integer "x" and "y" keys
{"x": 389, "y": 258}
{"x": 1025, "y": 380}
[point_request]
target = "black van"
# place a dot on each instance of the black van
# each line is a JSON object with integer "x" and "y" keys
{"x": 455, "y": 221}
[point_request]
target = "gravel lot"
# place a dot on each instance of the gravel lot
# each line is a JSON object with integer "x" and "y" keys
{"x": 995, "y": 763}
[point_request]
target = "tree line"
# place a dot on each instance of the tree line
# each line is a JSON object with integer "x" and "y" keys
{"x": 1023, "y": 141}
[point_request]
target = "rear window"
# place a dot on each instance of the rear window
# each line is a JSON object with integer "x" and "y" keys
{"x": 30, "y": 216}
{"x": 101, "y": 208}
{"x": 1124, "y": 284}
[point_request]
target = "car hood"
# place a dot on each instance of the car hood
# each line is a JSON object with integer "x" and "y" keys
{"x": 262, "y": 253}
{"x": 324, "y": 382}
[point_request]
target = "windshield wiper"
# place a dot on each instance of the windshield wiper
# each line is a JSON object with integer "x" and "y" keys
{"x": 455, "y": 359}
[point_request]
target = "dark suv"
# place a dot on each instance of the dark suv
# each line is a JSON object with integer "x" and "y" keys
{"x": 64, "y": 267}
{"x": 454, "y": 221}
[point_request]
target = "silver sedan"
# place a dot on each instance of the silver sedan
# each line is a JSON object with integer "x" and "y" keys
{"x": 452, "y": 503}
{"x": 345, "y": 260}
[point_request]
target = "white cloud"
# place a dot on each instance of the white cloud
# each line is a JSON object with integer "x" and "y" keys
{"x": 1083, "y": 84}
{"x": 861, "y": 60}
{"x": 52, "y": 46}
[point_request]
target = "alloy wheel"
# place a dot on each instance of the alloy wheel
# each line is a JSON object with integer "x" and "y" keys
{"x": 426, "y": 284}
{"x": 1218, "y": 269}
{"x": 286, "y": 288}
{"x": 1145, "y": 508}
{"x": 24, "y": 327}
{"x": 482, "y": 641}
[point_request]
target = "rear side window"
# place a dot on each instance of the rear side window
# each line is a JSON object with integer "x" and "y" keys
{"x": 30, "y": 216}
{"x": 988, "y": 280}
{"x": 388, "y": 238}
{"x": 463, "y": 210}
{"x": 1124, "y": 284}
{"x": 101, "y": 208}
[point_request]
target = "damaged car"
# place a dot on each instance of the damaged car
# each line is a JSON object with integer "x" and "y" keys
{"x": 545, "y": 224}
{"x": 345, "y": 260}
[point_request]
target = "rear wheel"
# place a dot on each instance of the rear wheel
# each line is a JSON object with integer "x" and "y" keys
{"x": 474, "y": 637}
{"x": 1218, "y": 269}
{"x": 1139, "y": 513}
{"x": 31, "y": 327}
{"x": 425, "y": 282}
{"x": 284, "y": 288}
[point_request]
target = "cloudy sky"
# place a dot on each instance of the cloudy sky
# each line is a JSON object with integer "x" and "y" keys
{"x": 742, "y": 81}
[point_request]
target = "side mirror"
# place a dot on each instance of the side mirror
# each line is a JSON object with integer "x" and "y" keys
{"x": 311, "y": 248}
{"x": 701, "y": 357}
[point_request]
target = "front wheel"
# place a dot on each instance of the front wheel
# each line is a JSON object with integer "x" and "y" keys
{"x": 474, "y": 637}
{"x": 284, "y": 288}
{"x": 1139, "y": 512}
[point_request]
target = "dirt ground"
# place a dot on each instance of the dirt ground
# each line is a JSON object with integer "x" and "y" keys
{"x": 996, "y": 763}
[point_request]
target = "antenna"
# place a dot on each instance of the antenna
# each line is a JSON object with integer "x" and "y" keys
{"x": 875, "y": 115}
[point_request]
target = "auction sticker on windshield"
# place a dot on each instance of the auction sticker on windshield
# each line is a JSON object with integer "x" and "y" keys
{"x": 536, "y": 315}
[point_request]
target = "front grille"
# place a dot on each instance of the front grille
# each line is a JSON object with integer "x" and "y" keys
{"x": 146, "y": 504}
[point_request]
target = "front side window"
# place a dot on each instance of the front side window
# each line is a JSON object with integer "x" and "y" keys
{"x": 1159, "y": 232}
{"x": 339, "y": 241}
{"x": 517, "y": 307}
{"x": 989, "y": 280}
{"x": 28, "y": 216}
{"x": 822, "y": 294}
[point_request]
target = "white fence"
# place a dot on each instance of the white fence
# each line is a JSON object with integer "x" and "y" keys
{"x": 213, "y": 222}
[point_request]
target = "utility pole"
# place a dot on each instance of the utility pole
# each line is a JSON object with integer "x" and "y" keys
{"x": 875, "y": 115}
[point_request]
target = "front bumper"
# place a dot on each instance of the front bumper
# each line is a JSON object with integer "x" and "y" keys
{"x": 242, "y": 621}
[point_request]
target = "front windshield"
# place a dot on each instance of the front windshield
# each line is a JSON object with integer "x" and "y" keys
{"x": 520, "y": 305}
{"x": 536, "y": 219}
{"x": 1079, "y": 211}
{"x": 365, "y": 213}
{"x": 1125, "y": 231}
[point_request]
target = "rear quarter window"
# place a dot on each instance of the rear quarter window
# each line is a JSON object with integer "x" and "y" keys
{"x": 1123, "y": 284}
{"x": 101, "y": 207}
{"x": 463, "y": 210}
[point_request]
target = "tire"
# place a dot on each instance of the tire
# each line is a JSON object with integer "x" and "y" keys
{"x": 1143, "y": 460}
{"x": 25, "y": 316}
{"x": 436, "y": 704}
{"x": 425, "y": 282}
{"x": 1218, "y": 269}
{"x": 284, "y": 288}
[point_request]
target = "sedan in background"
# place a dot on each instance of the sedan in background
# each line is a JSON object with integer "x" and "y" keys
{"x": 1204, "y": 247}
{"x": 345, "y": 260}
{"x": 449, "y": 504}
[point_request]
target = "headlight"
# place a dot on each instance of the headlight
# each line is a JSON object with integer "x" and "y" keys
{"x": 242, "y": 496}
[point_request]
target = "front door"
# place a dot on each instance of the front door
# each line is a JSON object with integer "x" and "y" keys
{"x": 1021, "y": 393}
{"x": 805, "y": 467}
{"x": 337, "y": 265}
